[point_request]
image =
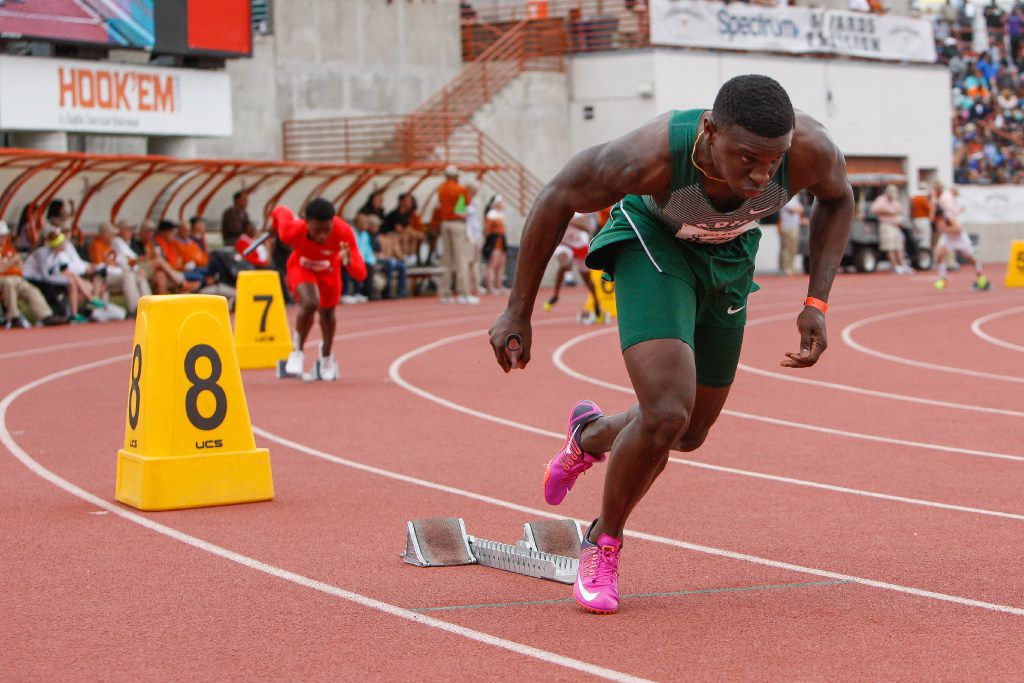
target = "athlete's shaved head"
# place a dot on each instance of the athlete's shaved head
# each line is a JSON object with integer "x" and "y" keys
{"x": 755, "y": 102}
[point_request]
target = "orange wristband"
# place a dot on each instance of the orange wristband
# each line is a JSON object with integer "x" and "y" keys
{"x": 816, "y": 303}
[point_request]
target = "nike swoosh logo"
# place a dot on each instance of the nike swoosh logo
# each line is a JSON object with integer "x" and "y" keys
{"x": 734, "y": 311}
{"x": 587, "y": 595}
{"x": 754, "y": 212}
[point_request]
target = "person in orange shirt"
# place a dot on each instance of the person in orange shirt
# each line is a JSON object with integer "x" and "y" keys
{"x": 167, "y": 250}
{"x": 193, "y": 258}
{"x": 14, "y": 287}
{"x": 922, "y": 213}
{"x": 452, "y": 201}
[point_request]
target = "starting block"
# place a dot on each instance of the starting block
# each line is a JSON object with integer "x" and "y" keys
{"x": 549, "y": 549}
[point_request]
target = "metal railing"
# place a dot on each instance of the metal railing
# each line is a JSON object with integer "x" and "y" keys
{"x": 439, "y": 130}
{"x": 581, "y": 25}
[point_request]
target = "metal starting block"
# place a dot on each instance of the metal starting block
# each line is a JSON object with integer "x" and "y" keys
{"x": 549, "y": 549}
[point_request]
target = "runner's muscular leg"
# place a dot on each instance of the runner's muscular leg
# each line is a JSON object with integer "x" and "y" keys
{"x": 599, "y": 435}
{"x": 309, "y": 300}
{"x": 664, "y": 377}
{"x": 328, "y": 322}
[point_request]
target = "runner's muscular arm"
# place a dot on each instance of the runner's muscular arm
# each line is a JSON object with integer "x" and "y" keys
{"x": 636, "y": 163}
{"x": 822, "y": 172}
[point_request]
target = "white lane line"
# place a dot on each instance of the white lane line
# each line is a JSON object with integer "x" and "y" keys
{"x": 257, "y": 565}
{"x": 880, "y": 394}
{"x": 847, "y": 335}
{"x": 395, "y": 373}
{"x": 64, "y": 346}
{"x": 976, "y": 328}
{"x": 558, "y": 359}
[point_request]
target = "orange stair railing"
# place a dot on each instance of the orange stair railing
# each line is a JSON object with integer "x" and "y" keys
{"x": 439, "y": 130}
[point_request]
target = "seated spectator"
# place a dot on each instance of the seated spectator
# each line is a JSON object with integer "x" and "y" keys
{"x": 14, "y": 288}
{"x": 198, "y": 225}
{"x": 405, "y": 223}
{"x": 193, "y": 258}
{"x": 168, "y": 275}
{"x": 56, "y": 269}
{"x": 392, "y": 268}
{"x": 124, "y": 275}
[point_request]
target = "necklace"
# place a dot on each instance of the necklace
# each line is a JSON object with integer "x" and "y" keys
{"x": 693, "y": 160}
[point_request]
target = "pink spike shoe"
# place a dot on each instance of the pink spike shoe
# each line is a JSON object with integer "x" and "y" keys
{"x": 597, "y": 578}
{"x": 571, "y": 461}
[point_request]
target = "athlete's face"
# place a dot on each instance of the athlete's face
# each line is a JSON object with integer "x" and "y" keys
{"x": 318, "y": 231}
{"x": 746, "y": 161}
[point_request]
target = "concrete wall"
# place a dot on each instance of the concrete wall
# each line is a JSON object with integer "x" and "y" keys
{"x": 350, "y": 58}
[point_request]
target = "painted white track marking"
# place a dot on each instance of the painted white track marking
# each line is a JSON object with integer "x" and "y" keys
{"x": 395, "y": 373}
{"x": 848, "y": 331}
{"x": 976, "y": 328}
{"x": 257, "y": 565}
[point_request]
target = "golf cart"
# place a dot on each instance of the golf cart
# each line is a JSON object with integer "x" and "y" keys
{"x": 862, "y": 252}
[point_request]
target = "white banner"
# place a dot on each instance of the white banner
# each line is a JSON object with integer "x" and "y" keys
{"x": 102, "y": 97}
{"x": 991, "y": 204}
{"x": 739, "y": 26}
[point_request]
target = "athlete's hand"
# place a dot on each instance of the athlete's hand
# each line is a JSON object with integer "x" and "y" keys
{"x": 811, "y": 324}
{"x": 510, "y": 337}
{"x": 344, "y": 254}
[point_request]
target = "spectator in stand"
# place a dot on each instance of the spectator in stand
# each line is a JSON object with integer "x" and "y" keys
{"x": 56, "y": 268}
{"x": 791, "y": 217}
{"x": 405, "y": 222}
{"x": 60, "y": 215}
{"x": 391, "y": 267}
{"x": 235, "y": 219}
{"x": 494, "y": 245}
{"x": 165, "y": 243}
{"x": 994, "y": 19}
{"x": 988, "y": 120}
{"x": 888, "y": 210}
{"x": 14, "y": 288}
{"x": 1014, "y": 30}
{"x": 451, "y": 211}
{"x": 108, "y": 250}
{"x": 198, "y": 234}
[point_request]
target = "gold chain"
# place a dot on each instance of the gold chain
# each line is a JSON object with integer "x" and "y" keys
{"x": 693, "y": 160}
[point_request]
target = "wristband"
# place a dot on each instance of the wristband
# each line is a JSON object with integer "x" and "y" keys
{"x": 816, "y": 303}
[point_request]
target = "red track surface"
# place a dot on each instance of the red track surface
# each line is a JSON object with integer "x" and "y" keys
{"x": 868, "y": 533}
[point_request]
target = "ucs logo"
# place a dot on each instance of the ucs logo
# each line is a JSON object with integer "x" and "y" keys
{"x": 210, "y": 443}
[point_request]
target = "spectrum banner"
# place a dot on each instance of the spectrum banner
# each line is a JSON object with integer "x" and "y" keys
{"x": 103, "y": 97}
{"x": 740, "y": 26}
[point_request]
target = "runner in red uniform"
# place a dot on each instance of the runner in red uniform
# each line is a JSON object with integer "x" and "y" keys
{"x": 321, "y": 245}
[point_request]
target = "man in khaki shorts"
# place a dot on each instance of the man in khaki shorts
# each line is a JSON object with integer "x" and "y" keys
{"x": 888, "y": 209}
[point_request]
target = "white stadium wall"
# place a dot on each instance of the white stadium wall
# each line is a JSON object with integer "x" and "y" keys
{"x": 351, "y": 58}
{"x": 870, "y": 109}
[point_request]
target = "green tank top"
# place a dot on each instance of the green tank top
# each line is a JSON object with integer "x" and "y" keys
{"x": 686, "y": 211}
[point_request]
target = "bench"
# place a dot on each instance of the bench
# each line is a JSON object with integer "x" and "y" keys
{"x": 422, "y": 279}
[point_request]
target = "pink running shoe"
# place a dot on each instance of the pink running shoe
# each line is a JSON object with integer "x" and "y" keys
{"x": 571, "y": 461}
{"x": 597, "y": 579}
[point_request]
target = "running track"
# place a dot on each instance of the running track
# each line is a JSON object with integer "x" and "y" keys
{"x": 861, "y": 519}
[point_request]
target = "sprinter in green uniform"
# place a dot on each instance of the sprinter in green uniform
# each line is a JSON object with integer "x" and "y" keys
{"x": 688, "y": 189}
